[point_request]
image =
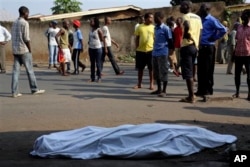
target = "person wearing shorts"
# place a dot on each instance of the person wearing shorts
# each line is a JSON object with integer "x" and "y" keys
{"x": 63, "y": 44}
{"x": 162, "y": 44}
{"x": 144, "y": 44}
{"x": 191, "y": 35}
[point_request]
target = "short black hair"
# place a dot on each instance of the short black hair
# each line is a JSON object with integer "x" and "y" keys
{"x": 106, "y": 18}
{"x": 188, "y": 3}
{"x": 147, "y": 15}
{"x": 96, "y": 21}
{"x": 159, "y": 14}
{"x": 206, "y": 7}
{"x": 246, "y": 12}
{"x": 22, "y": 10}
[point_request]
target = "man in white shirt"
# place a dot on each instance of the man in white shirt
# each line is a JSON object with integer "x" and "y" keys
{"x": 109, "y": 41}
{"x": 5, "y": 36}
{"x": 53, "y": 48}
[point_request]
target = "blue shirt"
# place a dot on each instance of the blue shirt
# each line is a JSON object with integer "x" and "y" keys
{"x": 77, "y": 44}
{"x": 212, "y": 30}
{"x": 162, "y": 35}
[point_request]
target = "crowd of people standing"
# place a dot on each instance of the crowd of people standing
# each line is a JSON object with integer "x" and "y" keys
{"x": 175, "y": 46}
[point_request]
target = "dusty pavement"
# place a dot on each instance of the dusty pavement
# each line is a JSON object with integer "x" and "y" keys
{"x": 71, "y": 102}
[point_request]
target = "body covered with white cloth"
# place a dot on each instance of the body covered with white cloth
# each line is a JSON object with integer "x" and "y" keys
{"x": 129, "y": 141}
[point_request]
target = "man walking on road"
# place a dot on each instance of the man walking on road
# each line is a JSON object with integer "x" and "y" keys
{"x": 22, "y": 53}
{"x": 191, "y": 36}
{"x": 4, "y": 38}
{"x": 109, "y": 41}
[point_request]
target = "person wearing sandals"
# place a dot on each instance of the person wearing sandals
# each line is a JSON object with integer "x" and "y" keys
{"x": 95, "y": 49}
{"x": 77, "y": 47}
{"x": 242, "y": 52}
{"x": 163, "y": 47}
{"x": 191, "y": 36}
{"x": 62, "y": 40}
{"x": 144, "y": 45}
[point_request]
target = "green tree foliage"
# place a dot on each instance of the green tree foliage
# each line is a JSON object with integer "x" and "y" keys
{"x": 228, "y": 2}
{"x": 66, "y": 6}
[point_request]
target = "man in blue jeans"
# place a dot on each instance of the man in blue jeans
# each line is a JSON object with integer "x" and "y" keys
{"x": 22, "y": 53}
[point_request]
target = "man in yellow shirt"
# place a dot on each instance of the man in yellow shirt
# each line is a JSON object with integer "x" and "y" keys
{"x": 144, "y": 46}
{"x": 192, "y": 26}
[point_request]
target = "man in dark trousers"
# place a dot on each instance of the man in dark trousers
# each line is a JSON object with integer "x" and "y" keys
{"x": 191, "y": 36}
{"x": 109, "y": 41}
{"x": 212, "y": 31}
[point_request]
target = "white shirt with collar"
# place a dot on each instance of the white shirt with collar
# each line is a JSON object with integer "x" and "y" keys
{"x": 4, "y": 34}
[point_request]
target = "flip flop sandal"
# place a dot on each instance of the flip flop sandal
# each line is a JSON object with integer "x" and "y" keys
{"x": 187, "y": 100}
{"x": 137, "y": 87}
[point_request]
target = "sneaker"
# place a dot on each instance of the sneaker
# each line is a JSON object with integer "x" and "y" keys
{"x": 3, "y": 72}
{"x": 16, "y": 95}
{"x": 38, "y": 92}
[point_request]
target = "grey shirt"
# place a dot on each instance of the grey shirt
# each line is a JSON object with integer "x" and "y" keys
{"x": 232, "y": 40}
{"x": 20, "y": 35}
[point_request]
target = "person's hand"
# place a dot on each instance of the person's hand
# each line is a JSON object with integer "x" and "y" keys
{"x": 117, "y": 46}
{"x": 106, "y": 50}
{"x": 211, "y": 39}
{"x": 3, "y": 43}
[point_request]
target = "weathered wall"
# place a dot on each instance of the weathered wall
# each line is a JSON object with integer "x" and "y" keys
{"x": 120, "y": 31}
{"x": 217, "y": 9}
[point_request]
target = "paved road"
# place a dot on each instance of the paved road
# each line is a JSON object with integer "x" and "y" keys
{"x": 71, "y": 102}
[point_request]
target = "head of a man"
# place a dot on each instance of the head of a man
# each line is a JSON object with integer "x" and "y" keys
{"x": 204, "y": 10}
{"x": 107, "y": 20}
{"x": 148, "y": 17}
{"x": 54, "y": 24}
{"x": 24, "y": 12}
{"x": 65, "y": 24}
{"x": 158, "y": 18}
{"x": 185, "y": 7}
{"x": 179, "y": 21}
{"x": 245, "y": 17}
{"x": 94, "y": 22}
{"x": 140, "y": 19}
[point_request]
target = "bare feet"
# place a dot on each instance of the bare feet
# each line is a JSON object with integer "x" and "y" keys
{"x": 151, "y": 88}
{"x": 91, "y": 80}
{"x": 65, "y": 74}
{"x": 121, "y": 73}
{"x": 137, "y": 87}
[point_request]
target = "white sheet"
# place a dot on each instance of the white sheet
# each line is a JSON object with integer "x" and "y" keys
{"x": 128, "y": 141}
